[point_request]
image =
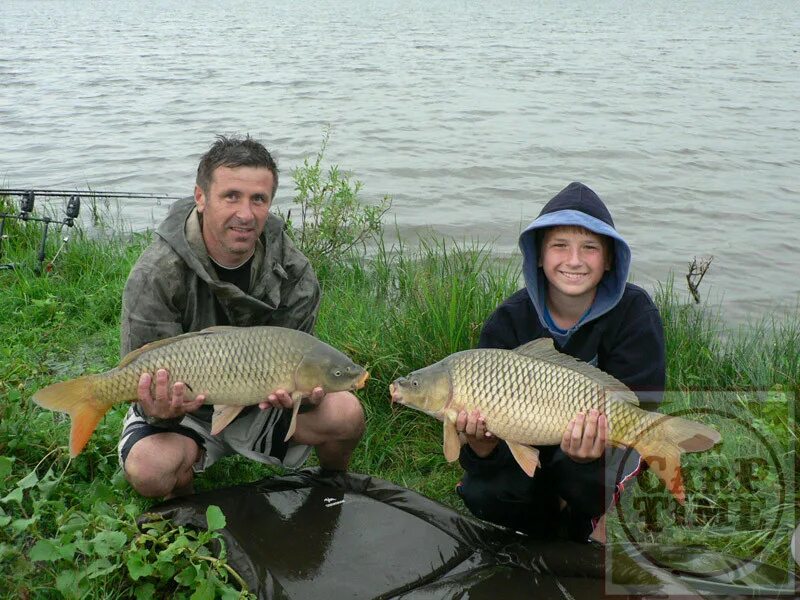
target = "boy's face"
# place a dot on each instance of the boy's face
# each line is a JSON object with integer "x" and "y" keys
{"x": 574, "y": 260}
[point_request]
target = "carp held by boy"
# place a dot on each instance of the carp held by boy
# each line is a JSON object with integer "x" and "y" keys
{"x": 233, "y": 367}
{"x": 527, "y": 397}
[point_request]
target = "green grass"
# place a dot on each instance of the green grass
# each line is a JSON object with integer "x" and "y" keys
{"x": 401, "y": 310}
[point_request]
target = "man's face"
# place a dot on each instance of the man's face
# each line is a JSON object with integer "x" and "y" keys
{"x": 573, "y": 261}
{"x": 234, "y": 212}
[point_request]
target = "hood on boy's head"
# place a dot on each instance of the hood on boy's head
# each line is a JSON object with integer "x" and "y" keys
{"x": 579, "y": 206}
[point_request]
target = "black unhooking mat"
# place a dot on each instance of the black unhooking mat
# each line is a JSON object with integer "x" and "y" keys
{"x": 308, "y": 536}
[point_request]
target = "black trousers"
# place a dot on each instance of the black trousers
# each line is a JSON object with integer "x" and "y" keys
{"x": 507, "y": 496}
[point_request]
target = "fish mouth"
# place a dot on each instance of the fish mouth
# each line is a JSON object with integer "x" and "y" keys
{"x": 395, "y": 394}
{"x": 362, "y": 381}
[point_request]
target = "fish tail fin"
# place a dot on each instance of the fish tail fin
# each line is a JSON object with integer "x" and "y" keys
{"x": 663, "y": 443}
{"x": 78, "y": 399}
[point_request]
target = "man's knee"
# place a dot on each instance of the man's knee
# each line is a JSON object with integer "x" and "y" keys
{"x": 347, "y": 415}
{"x": 158, "y": 464}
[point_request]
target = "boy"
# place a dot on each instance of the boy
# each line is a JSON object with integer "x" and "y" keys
{"x": 575, "y": 266}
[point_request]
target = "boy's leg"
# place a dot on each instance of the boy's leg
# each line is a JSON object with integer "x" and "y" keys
{"x": 590, "y": 489}
{"x": 507, "y": 496}
{"x": 333, "y": 427}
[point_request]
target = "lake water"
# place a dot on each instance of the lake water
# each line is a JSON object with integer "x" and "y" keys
{"x": 682, "y": 115}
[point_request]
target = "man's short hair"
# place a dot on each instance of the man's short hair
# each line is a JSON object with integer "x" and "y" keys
{"x": 235, "y": 152}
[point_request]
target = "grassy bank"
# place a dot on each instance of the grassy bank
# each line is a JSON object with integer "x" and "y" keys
{"x": 71, "y": 524}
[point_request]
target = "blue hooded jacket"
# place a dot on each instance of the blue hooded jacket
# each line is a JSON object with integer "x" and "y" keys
{"x": 579, "y": 206}
{"x": 621, "y": 333}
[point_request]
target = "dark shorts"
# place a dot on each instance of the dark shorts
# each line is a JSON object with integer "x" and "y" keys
{"x": 255, "y": 433}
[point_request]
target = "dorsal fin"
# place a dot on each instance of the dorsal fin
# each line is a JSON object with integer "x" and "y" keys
{"x": 543, "y": 349}
{"x": 134, "y": 354}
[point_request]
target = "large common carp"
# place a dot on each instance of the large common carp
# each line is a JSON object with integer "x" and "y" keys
{"x": 528, "y": 396}
{"x": 233, "y": 367}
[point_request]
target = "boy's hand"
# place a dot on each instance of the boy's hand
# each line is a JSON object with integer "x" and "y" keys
{"x": 585, "y": 437}
{"x": 472, "y": 428}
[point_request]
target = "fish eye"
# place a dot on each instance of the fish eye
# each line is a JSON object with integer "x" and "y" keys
{"x": 337, "y": 373}
{"x": 414, "y": 382}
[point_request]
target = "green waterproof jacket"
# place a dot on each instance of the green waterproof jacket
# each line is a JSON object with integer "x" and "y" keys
{"x": 172, "y": 287}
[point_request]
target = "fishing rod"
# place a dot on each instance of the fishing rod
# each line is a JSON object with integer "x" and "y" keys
{"x": 84, "y": 193}
{"x": 27, "y": 200}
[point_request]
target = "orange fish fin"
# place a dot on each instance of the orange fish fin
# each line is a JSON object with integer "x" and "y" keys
{"x": 599, "y": 531}
{"x": 452, "y": 443}
{"x": 662, "y": 446}
{"x": 296, "y": 399}
{"x": 75, "y": 397}
{"x": 222, "y": 417}
{"x": 664, "y": 459}
{"x": 526, "y": 456}
{"x": 84, "y": 422}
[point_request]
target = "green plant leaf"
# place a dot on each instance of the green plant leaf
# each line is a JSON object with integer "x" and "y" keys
{"x": 109, "y": 542}
{"x": 68, "y": 583}
{"x": 14, "y": 496}
{"x": 30, "y": 480}
{"x": 51, "y": 550}
{"x": 21, "y": 525}
{"x": 188, "y": 576}
{"x": 5, "y": 466}
{"x": 100, "y": 568}
{"x": 215, "y": 518}
{"x": 145, "y": 591}
{"x": 205, "y": 591}
{"x": 137, "y": 566}
{"x": 232, "y": 594}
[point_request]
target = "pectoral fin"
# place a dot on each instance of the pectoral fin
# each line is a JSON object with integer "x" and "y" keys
{"x": 222, "y": 417}
{"x": 526, "y": 456}
{"x": 452, "y": 445}
{"x": 296, "y": 400}
{"x": 599, "y": 531}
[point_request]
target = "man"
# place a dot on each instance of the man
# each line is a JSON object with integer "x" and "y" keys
{"x": 221, "y": 258}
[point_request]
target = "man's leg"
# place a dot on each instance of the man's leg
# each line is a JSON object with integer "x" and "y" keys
{"x": 334, "y": 428}
{"x": 160, "y": 465}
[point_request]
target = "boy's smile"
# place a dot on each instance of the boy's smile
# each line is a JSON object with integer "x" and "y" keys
{"x": 574, "y": 261}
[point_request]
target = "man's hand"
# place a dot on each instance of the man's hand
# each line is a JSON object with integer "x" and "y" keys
{"x": 584, "y": 440}
{"x": 472, "y": 428}
{"x": 282, "y": 399}
{"x": 166, "y": 405}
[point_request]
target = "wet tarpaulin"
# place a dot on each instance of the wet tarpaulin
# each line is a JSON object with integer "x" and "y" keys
{"x": 308, "y": 536}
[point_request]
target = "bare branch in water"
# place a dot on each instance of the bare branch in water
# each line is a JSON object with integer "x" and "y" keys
{"x": 697, "y": 269}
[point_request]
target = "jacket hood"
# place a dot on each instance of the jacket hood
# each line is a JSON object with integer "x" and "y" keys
{"x": 575, "y": 205}
{"x": 182, "y": 231}
{"x": 173, "y": 231}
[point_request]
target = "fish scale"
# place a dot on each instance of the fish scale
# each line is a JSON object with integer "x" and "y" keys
{"x": 226, "y": 368}
{"x": 526, "y": 400}
{"x": 528, "y": 396}
{"x": 232, "y": 367}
